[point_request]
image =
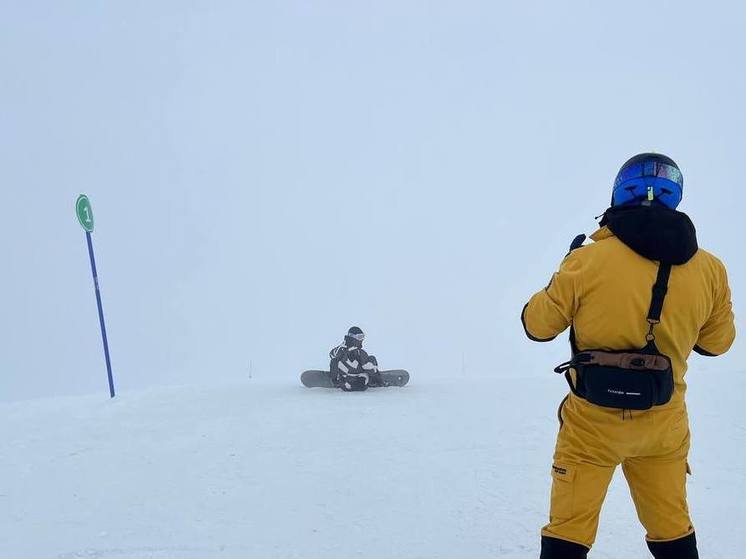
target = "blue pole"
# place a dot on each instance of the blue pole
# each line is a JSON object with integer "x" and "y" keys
{"x": 100, "y": 313}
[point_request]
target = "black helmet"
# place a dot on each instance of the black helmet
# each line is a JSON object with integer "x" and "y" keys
{"x": 354, "y": 337}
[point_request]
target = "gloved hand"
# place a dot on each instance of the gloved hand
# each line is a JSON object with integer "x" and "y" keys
{"x": 577, "y": 242}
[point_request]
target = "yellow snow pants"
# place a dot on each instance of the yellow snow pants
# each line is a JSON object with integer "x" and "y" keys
{"x": 652, "y": 447}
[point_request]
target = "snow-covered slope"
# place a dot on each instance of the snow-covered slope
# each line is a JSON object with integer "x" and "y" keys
{"x": 273, "y": 470}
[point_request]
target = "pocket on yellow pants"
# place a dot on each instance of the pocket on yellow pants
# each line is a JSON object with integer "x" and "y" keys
{"x": 563, "y": 491}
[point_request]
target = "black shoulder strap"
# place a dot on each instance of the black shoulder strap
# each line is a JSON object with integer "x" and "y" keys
{"x": 660, "y": 288}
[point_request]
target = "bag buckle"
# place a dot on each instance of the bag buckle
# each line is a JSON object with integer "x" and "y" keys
{"x": 650, "y": 336}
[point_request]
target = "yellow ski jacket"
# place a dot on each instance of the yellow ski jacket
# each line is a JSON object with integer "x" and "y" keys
{"x": 604, "y": 290}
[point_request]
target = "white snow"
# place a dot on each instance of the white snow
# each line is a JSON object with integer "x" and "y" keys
{"x": 274, "y": 470}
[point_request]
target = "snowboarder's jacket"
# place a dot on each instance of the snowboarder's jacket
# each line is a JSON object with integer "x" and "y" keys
{"x": 353, "y": 366}
{"x": 603, "y": 290}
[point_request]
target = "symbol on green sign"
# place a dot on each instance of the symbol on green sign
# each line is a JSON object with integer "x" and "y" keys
{"x": 85, "y": 212}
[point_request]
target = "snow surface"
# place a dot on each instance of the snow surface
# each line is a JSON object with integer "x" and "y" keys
{"x": 275, "y": 470}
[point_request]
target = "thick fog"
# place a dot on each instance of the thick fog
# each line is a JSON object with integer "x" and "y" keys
{"x": 266, "y": 174}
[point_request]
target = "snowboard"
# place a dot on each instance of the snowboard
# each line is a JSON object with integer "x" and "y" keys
{"x": 323, "y": 379}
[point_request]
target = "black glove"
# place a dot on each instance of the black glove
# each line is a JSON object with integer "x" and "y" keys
{"x": 577, "y": 242}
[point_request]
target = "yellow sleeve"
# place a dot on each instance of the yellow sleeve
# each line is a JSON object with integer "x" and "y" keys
{"x": 718, "y": 333}
{"x": 550, "y": 311}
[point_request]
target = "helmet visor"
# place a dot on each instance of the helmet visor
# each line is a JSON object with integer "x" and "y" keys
{"x": 650, "y": 169}
{"x": 359, "y": 337}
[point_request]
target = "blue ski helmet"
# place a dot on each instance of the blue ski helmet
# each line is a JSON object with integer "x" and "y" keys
{"x": 650, "y": 178}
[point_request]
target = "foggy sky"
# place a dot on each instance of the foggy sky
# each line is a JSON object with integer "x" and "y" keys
{"x": 266, "y": 174}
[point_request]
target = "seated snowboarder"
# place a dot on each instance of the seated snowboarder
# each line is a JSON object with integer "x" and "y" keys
{"x": 351, "y": 367}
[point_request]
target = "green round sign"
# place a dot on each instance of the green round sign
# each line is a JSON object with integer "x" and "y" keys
{"x": 85, "y": 212}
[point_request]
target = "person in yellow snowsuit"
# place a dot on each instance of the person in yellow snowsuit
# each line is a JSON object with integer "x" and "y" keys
{"x": 603, "y": 291}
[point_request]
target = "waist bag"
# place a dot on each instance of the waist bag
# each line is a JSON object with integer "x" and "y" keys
{"x": 625, "y": 379}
